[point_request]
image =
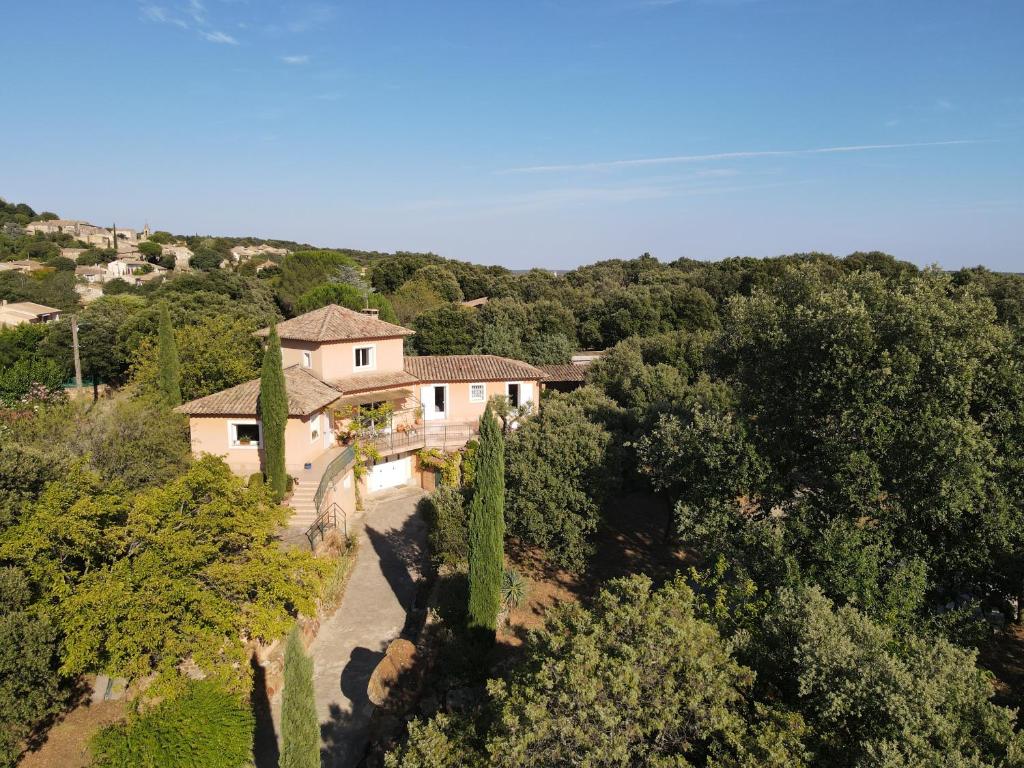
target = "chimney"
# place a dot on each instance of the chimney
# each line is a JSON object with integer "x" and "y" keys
{"x": 371, "y": 311}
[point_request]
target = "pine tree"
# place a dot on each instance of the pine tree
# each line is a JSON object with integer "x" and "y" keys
{"x": 273, "y": 411}
{"x": 487, "y": 530}
{"x": 169, "y": 379}
{"x": 300, "y": 729}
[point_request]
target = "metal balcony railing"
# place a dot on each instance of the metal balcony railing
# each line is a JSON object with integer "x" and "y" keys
{"x": 445, "y": 436}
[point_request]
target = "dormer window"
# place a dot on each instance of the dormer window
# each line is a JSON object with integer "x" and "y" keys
{"x": 307, "y": 359}
{"x": 365, "y": 358}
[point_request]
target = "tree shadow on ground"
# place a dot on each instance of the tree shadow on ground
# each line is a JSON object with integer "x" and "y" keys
{"x": 264, "y": 743}
{"x": 632, "y": 540}
{"x": 403, "y": 557}
{"x": 338, "y": 733}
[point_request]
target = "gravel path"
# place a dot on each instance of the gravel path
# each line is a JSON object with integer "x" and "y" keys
{"x": 380, "y": 592}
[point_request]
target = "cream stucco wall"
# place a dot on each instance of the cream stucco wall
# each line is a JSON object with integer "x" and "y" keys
{"x": 210, "y": 435}
{"x": 336, "y": 360}
{"x": 292, "y": 354}
{"x": 343, "y": 494}
{"x": 461, "y": 409}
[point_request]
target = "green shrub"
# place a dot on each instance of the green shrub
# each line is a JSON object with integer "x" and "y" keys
{"x": 207, "y": 727}
{"x": 255, "y": 479}
{"x": 445, "y": 513}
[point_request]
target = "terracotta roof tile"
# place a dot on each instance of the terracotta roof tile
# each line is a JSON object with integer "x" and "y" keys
{"x": 470, "y": 368}
{"x": 367, "y": 382}
{"x": 334, "y": 323}
{"x": 29, "y": 306}
{"x": 306, "y": 395}
{"x": 565, "y": 372}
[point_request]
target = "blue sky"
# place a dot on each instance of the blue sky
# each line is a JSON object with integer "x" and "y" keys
{"x": 529, "y": 133}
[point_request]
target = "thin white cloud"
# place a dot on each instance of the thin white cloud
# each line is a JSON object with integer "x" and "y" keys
{"x": 186, "y": 15}
{"x": 160, "y": 15}
{"x": 219, "y": 37}
{"x": 297, "y": 59}
{"x": 197, "y": 11}
{"x": 675, "y": 159}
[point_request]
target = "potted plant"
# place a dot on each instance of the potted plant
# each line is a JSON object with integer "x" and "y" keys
{"x": 244, "y": 441}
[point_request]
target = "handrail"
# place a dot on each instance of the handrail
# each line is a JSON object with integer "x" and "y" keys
{"x": 338, "y": 464}
{"x": 324, "y": 522}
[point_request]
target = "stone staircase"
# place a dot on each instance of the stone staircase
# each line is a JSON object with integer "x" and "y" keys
{"x": 302, "y": 503}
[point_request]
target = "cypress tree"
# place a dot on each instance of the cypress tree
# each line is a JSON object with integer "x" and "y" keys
{"x": 169, "y": 377}
{"x": 300, "y": 727}
{"x": 273, "y": 412}
{"x": 487, "y": 530}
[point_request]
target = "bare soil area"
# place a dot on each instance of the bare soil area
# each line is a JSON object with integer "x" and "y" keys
{"x": 67, "y": 743}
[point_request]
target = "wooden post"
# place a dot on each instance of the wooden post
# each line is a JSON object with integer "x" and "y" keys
{"x": 78, "y": 360}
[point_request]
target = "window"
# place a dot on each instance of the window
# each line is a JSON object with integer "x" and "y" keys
{"x": 364, "y": 357}
{"x": 477, "y": 393}
{"x": 513, "y": 395}
{"x": 244, "y": 434}
{"x": 307, "y": 359}
{"x": 314, "y": 427}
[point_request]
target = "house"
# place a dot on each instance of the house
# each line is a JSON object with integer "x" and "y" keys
{"x": 101, "y": 237}
{"x": 565, "y": 377}
{"x": 142, "y": 278}
{"x": 95, "y": 274}
{"x": 182, "y": 256}
{"x": 242, "y": 253}
{"x": 18, "y": 312}
{"x": 348, "y": 380}
{"x": 25, "y": 266}
{"x": 124, "y": 268}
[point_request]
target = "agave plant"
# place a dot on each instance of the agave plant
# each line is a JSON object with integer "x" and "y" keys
{"x": 514, "y": 589}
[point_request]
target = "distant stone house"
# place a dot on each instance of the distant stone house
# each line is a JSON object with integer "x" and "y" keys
{"x": 242, "y": 253}
{"x": 24, "y": 266}
{"x": 182, "y": 256}
{"x": 125, "y": 268}
{"x": 100, "y": 237}
{"x": 158, "y": 273}
{"x": 340, "y": 365}
{"x": 95, "y": 274}
{"x": 19, "y": 312}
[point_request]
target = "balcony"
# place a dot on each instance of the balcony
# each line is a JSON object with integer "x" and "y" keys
{"x": 449, "y": 436}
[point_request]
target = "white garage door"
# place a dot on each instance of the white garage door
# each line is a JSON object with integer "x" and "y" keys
{"x": 389, "y": 474}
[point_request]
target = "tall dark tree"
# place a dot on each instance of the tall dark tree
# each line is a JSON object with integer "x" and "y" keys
{"x": 169, "y": 379}
{"x": 300, "y": 729}
{"x": 273, "y": 412}
{"x": 487, "y": 529}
